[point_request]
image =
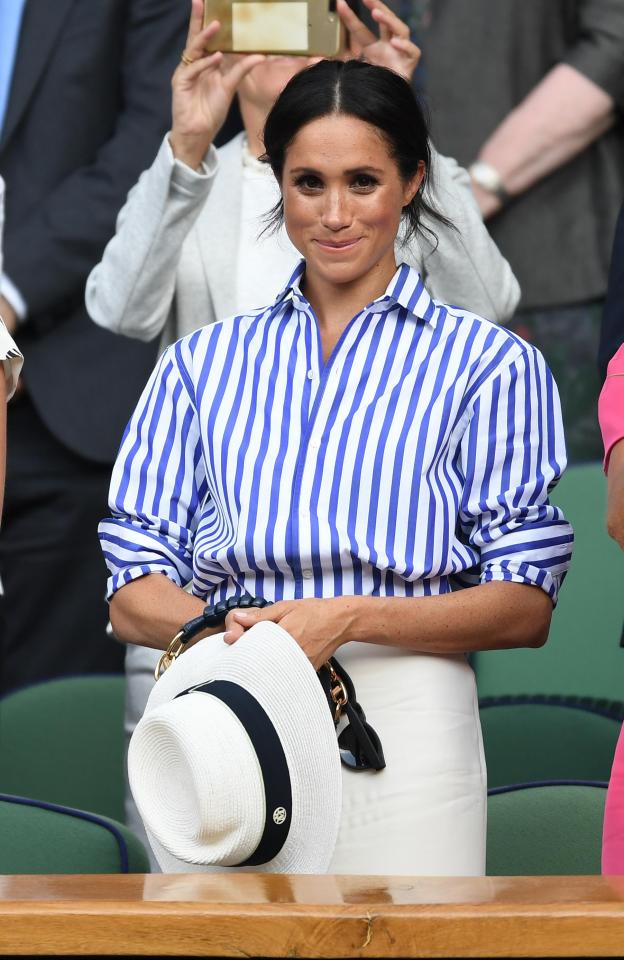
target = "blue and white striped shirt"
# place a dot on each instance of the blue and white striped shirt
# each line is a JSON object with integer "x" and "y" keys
{"x": 420, "y": 454}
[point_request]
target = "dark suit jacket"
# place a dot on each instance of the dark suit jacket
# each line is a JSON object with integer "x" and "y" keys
{"x": 482, "y": 57}
{"x": 612, "y": 333}
{"x": 88, "y": 106}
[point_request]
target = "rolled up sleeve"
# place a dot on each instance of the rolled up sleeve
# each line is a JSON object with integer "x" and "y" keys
{"x": 157, "y": 486}
{"x": 599, "y": 50}
{"x": 512, "y": 454}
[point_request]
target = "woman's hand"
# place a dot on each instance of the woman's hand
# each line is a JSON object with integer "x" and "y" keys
{"x": 392, "y": 48}
{"x": 318, "y": 626}
{"x": 203, "y": 90}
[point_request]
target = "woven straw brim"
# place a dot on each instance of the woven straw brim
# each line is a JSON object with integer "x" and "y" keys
{"x": 271, "y": 666}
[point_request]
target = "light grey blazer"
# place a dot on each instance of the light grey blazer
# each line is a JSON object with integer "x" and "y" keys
{"x": 171, "y": 266}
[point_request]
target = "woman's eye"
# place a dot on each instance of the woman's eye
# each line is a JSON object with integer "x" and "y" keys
{"x": 308, "y": 182}
{"x": 364, "y": 181}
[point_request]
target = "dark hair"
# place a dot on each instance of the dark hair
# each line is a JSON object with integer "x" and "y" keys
{"x": 373, "y": 94}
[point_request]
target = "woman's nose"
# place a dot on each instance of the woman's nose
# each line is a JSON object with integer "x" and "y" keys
{"x": 336, "y": 212}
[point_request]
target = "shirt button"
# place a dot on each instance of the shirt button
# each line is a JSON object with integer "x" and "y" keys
{"x": 310, "y": 374}
{"x": 314, "y": 445}
{"x": 307, "y": 574}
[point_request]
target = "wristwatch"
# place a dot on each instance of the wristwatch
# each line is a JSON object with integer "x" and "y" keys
{"x": 488, "y": 178}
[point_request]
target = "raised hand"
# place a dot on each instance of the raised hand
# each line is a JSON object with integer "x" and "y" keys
{"x": 203, "y": 89}
{"x": 392, "y": 48}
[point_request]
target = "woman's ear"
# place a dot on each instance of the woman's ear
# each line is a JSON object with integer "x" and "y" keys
{"x": 413, "y": 185}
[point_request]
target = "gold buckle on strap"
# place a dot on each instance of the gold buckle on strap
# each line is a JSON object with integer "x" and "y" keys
{"x": 173, "y": 651}
{"x": 338, "y": 692}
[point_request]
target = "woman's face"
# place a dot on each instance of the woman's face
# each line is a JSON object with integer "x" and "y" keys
{"x": 343, "y": 197}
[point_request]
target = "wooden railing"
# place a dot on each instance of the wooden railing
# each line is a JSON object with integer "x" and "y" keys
{"x": 255, "y": 915}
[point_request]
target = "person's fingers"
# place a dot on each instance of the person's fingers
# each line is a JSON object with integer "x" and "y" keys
{"x": 240, "y": 69}
{"x": 388, "y": 21}
{"x": 408, "y": 48}
{"x": 233, "y": 631}
{"x": 357, "y": 31}
{"x": 195, "y": 21}
{"x": 191, "y": 71}
{"x": 196, "y": 48}
{"x": 246, "y": 617}
{"x": 385, "y": 33}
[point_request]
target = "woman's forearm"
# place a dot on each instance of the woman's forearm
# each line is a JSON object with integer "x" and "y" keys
{"x": 150, "y": 611}
{"x": 491, "y": 616}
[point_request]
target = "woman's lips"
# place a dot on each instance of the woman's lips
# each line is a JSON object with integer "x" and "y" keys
{"x": 336, "y": 246}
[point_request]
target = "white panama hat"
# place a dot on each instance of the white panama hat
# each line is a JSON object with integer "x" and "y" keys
{"x": 244, "y": 772}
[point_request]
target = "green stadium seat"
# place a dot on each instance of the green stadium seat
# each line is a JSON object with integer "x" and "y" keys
{"x": 583, "y": 656}
{"x": 62, "y": 741}
{"x": 551, "y": 829}
{"x": 39, "y": 837}
{"x": 532, "y": 739}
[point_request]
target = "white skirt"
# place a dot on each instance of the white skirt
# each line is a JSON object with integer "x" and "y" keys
{"x": 425, "y": 813}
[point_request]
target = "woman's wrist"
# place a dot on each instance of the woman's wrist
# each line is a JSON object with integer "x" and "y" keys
{"x": 189, "y": 150}
{"x": 364, "y": 619}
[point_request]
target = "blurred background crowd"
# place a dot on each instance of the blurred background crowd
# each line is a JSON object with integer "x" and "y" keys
{"x": 526, "y": 96}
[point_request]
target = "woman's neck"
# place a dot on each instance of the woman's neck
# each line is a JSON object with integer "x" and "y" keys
{"x": 335, "y": 304}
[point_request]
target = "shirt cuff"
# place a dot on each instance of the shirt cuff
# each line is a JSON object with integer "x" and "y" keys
{"x": 602, "y": 67}
{"x": 513, "y": 571}
{"x": 185, "y": 175}
{"x": 129, "y": 574}
{"x": 10, "y": 292}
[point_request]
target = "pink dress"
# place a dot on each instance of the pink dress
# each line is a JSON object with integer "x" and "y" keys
{"x": 611, "y": 405}
{"x": 611, "y": 416}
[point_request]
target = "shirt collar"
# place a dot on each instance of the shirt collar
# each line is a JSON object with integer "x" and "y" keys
{"x": 405, "y": 289}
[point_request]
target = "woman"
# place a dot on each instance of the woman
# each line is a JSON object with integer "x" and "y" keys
{"x": 187, "y": 249}
{"x": 611, "y": 415}
{"x": 350, "y": 452}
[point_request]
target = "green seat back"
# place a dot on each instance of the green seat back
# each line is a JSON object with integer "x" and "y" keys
{"x": 45, "y": 838}
{"x": 62, "y": 741}
{"x": 540, "y": 741}
{"x": 582, "y": 655}
{"x": 545, "y": 831}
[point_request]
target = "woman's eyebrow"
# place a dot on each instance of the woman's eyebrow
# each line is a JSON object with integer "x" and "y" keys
{"x": 350, "y": 172}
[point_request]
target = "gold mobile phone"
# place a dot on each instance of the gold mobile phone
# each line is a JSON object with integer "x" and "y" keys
{"x": 295, "y": 27}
